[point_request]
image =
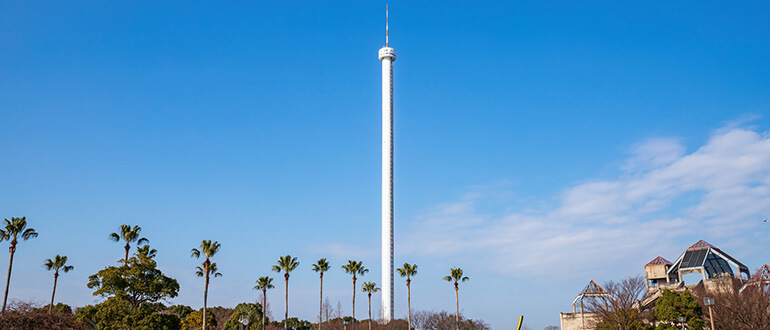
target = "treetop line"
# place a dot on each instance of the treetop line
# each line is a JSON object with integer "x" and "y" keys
{"x": 134, "y": 288}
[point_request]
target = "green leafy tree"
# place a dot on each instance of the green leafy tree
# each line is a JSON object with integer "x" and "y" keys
{"x": 264, "y": 283}
{"x": 194, "y": 320}
{"x": 58, "y": 263}
{"x": 286, "y": 264}
{"x": 671, "y": 305}
{"x": 320, "y": 267}
{"x": 180, "y": 310}
{"x": 408, "y": 271}
{"x": 456, "y": 275}
{"x": 295, "y": 324}
{"x": 207, "y": 269}
{"x": 369, "y": 288}
{"x": 117, "y": 313}
{"x": 248, "y": 311}
{"x": 355, "y": 268}
{"x": 137, "y": 282}
{"x": 128, "y": 235}
{"x": 13, "y": 229}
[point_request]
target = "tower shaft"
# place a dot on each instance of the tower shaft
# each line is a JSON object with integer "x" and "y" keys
{"x": 387, "y": 55}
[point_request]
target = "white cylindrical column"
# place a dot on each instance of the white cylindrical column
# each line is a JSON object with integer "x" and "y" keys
{"x": 387, "y": 55}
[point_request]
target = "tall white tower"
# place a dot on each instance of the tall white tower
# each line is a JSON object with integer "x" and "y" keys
{"x": 387, "y": 56}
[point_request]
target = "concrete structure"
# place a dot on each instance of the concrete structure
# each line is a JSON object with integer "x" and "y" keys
{"x": 387, "y": 56}
{"x": 717, "y": 268}
{"x": 656, "y": 273}
{"x": 761, "y": 278}
{"x": 578, "y": 321}
{"x": 581, "y": 319}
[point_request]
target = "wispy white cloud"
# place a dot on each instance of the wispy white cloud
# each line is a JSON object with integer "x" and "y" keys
{"x": 662, "y": 197}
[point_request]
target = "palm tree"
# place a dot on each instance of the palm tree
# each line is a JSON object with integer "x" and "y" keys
{"x": 129, "y": 235}
{"x": 207, "y": 269}
{"x": 145, "y": 253}
{"x": 370, "y": 287}
{"x": 408, "y": 271}
{"x": 58, "y": 263}
{"x": 321, "y": 267}
{"x": 264, "y": 283}
{"x": 456, "y": 274}
{"x": 14, "y": 228}
{"x": 354, "y": 267}
{"x": 286, "y": 264}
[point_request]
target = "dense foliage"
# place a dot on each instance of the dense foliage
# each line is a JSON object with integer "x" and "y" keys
{"x": 132, "y": 290}
{"x": 133, "y": 293}
{"x": 295, "y": 323}
{"x": 251, "y": 312}
{"x": 194, "y": 320}
{"x": 671, "y": 305}
{"x": 136, "y": 282}
{"x": 117, "y": 313}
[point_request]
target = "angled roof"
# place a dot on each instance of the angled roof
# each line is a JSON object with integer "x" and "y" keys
{"x": 593, "y": 288}
{"x": 762, "y": 275}
{"x": 700, "y": 245}
{"x": 704, "y": 255}
{"x": 658, "y": 261}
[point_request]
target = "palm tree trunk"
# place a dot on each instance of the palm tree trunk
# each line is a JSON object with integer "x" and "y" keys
{"x": 286, "y": 306}
{"x": 128, "y": 248}
{"x": 457, "y": 309}
{"x": 409, "y": 304}
{"x": 370, "y": 311}
{"x": 205, "y": 297}
{"x": 55, "y": 277}
{"x": 264, "y": 307}
{"x": 8, "y": 280}
{"x": 353, "y": 322}
{"x": 321, "y": 308}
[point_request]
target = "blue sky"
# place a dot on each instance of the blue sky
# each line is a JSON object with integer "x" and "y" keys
{"x": 539, "y": 145}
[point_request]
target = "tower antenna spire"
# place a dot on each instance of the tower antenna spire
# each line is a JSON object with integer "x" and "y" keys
{"x": 386, "y": 25}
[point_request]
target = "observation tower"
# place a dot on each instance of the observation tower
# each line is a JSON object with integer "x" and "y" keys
{"x": 387, "y": 56}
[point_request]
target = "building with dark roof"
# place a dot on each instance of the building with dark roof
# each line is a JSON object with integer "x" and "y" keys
{"x": 708, "y": 260}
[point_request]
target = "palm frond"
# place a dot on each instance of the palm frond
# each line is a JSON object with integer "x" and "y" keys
{"x": 57, "y": 263}
{"x": 263, "y": 283}
{"x": 321, "y": 266}
{"x": 15, "y": 227}
{"x": 142, "y": 241}
{"x": 369, "y": 287}
{"x": 114, "y": 237}
{"x": 29, "y": 233}
{"x": 146, "y": 252}
{"x": 208, "y": 248}
{"x": 195, "y": 253}
{"x": 286, "y": 264}
{"x": 125, "y": 232}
